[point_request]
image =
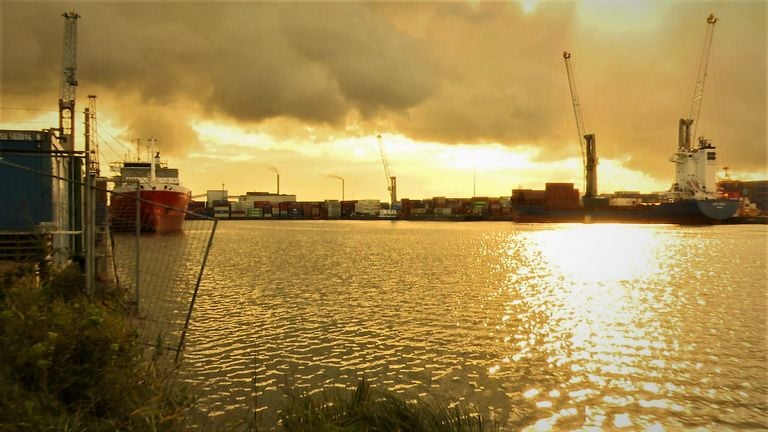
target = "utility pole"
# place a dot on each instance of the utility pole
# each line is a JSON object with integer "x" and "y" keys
{"x": 88, "y": 210}
{"x": 95, "y": 166}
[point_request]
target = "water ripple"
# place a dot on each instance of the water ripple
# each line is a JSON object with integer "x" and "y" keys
{"x": 544, "y": 327}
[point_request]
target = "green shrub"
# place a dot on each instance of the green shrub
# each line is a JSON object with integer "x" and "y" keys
{"x": 73, "y": 363}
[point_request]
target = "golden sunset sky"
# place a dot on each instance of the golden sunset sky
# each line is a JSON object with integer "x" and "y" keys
{"x": 466, "y": 94}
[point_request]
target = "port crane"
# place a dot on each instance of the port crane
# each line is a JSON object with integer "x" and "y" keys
{"x": 586, "y": 140}
{"x": 68, "y": 83}
{"x": 685, "y": 135}
{"x": 390, "y": 179}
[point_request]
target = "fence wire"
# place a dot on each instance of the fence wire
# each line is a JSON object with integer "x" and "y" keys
{"x": 161, "y": 272}
{"x": 58, "y": 211}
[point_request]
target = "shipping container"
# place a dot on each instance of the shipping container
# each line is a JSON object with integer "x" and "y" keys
{"x": 221, "y": 212}
{"x": 332, "y": 209}
{"x": 347, "y": 208}
{"x": 28, "y": 196}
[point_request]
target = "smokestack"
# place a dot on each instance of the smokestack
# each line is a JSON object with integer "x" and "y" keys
{"x": 277, "y": 173}
{"x": 342, "y": 183}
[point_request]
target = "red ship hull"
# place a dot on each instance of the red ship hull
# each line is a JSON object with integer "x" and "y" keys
{"x": 160, "y": 211}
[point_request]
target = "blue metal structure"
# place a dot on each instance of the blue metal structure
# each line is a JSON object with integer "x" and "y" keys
{"x": 27, "y": 190}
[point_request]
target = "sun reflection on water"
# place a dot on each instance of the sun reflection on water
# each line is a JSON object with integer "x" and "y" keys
{"x": 600, "y": 253}
{"x": 547, "y": 327}
{"x": 597, "y": 323}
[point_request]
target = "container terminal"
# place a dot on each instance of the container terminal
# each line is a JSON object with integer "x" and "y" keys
{"x": 555, "y": 196}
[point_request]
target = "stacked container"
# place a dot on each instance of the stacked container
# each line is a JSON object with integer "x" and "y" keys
{"x": 561, "y": 196}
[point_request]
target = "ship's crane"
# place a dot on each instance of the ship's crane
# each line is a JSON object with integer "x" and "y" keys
{"x": 390, "y": 179}
{"x": 68, "y": 83}
{"x": 685, "y": 135}
{"x": 586, "y": 141}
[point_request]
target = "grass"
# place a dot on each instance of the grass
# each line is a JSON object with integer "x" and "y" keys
{"x": 366, "y": 409}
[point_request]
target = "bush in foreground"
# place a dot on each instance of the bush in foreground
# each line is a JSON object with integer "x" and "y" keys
{"x": 69, "y": 362}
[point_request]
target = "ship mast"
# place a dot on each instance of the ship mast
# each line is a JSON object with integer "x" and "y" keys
{"x": 153, "y": 159}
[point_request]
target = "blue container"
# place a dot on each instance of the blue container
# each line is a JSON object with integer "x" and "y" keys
{"x": 27, "y": 196}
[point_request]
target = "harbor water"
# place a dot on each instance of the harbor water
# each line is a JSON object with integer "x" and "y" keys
{"x": 541, "y": 327}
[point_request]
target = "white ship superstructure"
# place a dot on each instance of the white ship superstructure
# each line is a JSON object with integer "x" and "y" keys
{"x": 695, "y": 172}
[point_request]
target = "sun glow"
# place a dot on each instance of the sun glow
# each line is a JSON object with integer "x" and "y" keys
{"x": 424, "y": 169}
{"x": 529, "y": 6}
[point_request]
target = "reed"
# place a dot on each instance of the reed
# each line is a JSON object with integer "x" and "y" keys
{"x": 367, "y": 409}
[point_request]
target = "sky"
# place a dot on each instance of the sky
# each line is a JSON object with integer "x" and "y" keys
{"x": 470, "y": 97}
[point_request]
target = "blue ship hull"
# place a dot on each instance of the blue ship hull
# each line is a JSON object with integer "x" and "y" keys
{"x": 689, "y": 212}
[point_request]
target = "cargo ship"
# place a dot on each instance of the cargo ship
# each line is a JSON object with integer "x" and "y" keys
{"x": 692, "y": 199}
{"x": 162, "y": 200}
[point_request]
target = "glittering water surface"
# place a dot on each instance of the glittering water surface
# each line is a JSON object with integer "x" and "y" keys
{"x": 540, "y": 326}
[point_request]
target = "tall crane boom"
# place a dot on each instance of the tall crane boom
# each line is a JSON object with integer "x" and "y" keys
{"x": 68, "y": 82}
{"x": 685, "y": 137}
{"x": 390, "y": 179}
{"x": 586, "y": 141}
{"x": 575, "y": 101}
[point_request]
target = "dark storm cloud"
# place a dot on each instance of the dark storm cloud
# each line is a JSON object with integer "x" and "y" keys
{"x": 245, "y": 61}
{"x": 453, "y": 72}
{"x": 501, "y": 71}
{"x": 506, "y": 78}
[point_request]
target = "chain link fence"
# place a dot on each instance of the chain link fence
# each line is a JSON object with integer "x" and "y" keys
{"x": 67, "y": 217}
{"x": 160, "y": 272}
